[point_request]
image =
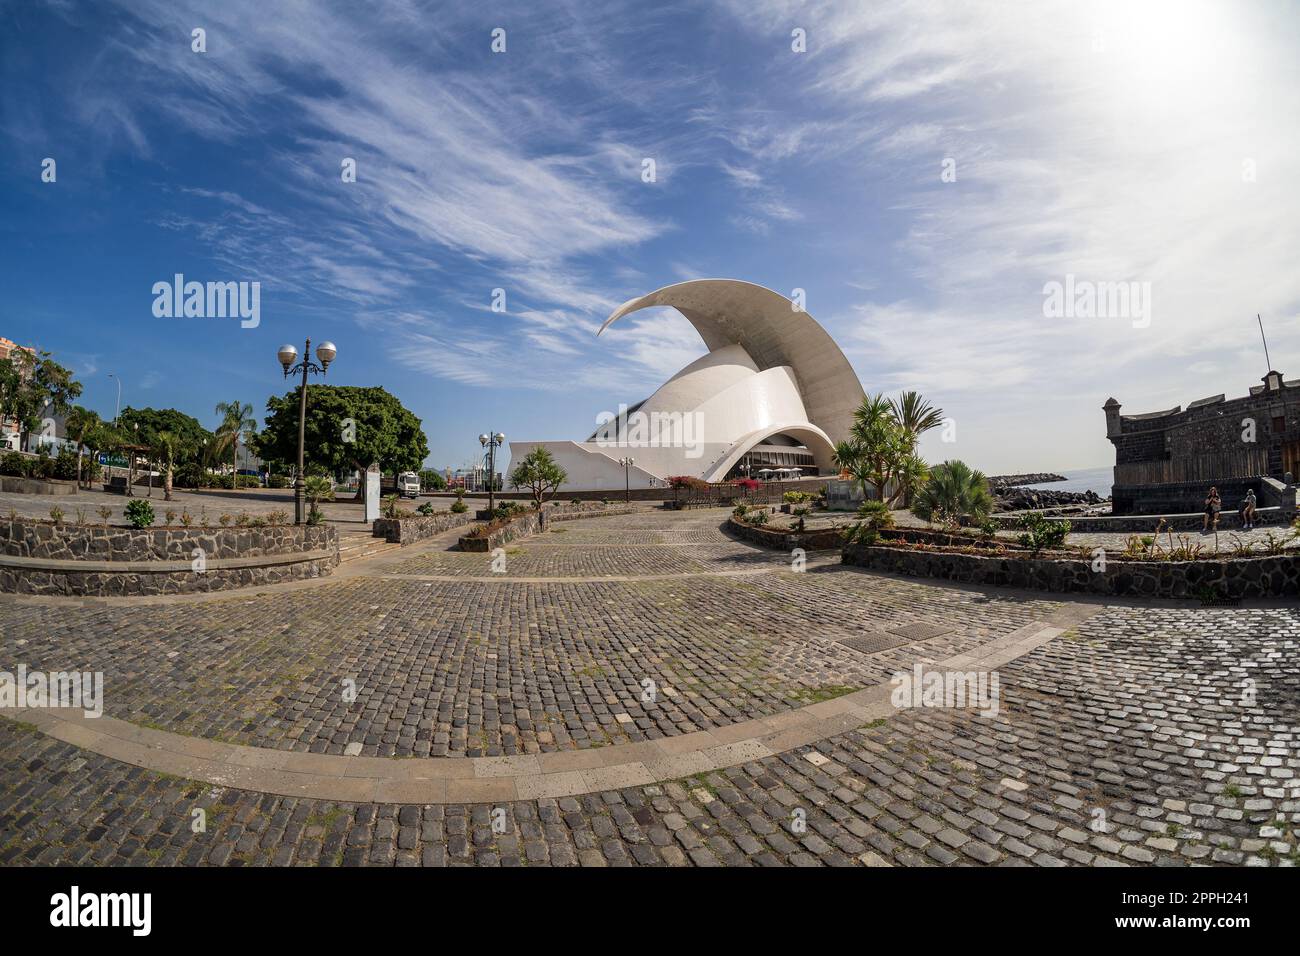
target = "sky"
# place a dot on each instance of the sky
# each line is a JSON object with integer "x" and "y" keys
{"x": 923, "y": 171}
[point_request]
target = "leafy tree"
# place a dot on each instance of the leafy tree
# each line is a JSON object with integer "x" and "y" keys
{"x": 876, "y": 447}
{"x": 540, "y": 473}
{"x": 432, "y": 478}
{"x": 954, "y": 489}
{"x": 236, "y": 420}
{"x": 32, "y": 384}
{"x": 347, "y": 428}
{"x": 170, "y": 437}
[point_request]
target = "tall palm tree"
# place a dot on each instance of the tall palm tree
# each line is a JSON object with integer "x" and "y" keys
{"x": 236, "y": 419}
{"x": 166, "y": 446}
{"x": 954, "y": 489}
{"x": 80, "y": 424}
{"x": 915, "y": 414}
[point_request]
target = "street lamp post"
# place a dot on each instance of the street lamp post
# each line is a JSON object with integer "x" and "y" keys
{"x": 492, "y": 442}
{"x": 287, "y": 354}
{"x": 627, "y": 464}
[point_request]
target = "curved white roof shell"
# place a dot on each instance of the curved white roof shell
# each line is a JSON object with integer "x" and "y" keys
{"x": 770, "y": 371}
{"x": 772, "y": 331}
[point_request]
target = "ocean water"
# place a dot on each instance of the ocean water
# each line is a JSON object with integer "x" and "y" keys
{"x": 1084, "y": 479}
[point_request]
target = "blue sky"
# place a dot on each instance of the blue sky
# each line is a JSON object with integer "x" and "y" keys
{"x": 1150, "y": 142}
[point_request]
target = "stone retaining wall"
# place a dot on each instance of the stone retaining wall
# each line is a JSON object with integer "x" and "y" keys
{"x": 406, "y": 530}
{"x": 37, "y": 486}
{"x": 825, "y": 539}
{"x": 1231, "y": 579}
{"x": 40, "y": 557}
{"x": 530, "y": 522}
{"x": 1146, "y": 524}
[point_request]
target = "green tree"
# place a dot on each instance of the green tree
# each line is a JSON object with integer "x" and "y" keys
{"x": 32, "y": 385}
{"x": 236, "y": 420}
{"x": 876, "y": 448}
{"x": 166, "y": 447}
{"x": 915, "y": 414}
{"x": 81, "y": 425}
{"x": 431, "y": 478}
{"x": 540, "y": 473}
{"x": 317, "y": 488}
{"x": 147, "y": 427}
{"x": 347, "y": 428}
{"x": 954, "y": 489}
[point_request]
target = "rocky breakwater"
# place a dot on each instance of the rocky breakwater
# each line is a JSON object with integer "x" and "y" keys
{"x": 1010, "y": 495}
{"x": 1003, "y": 482}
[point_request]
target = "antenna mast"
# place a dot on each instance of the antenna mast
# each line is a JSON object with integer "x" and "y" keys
{"x": 1261, "y": 335}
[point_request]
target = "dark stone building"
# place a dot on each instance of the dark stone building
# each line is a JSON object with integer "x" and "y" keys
{"x": 1166, "y": 461}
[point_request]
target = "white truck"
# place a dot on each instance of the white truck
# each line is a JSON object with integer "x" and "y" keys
{"x": 408, "y": 484}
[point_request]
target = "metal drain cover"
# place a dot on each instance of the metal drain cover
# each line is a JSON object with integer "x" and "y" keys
{"x": 920, "y": 631}
{"x": 872, "y": 642}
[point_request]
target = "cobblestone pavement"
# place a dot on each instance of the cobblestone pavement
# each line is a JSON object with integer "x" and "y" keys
{"x": 1142, "y": 735}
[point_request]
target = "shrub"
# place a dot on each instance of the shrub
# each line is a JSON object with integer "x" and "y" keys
{"x": 277, "y": 517}
{"x": 225, "y": 520}
{"x": 277, "y": 481}
{"x": 952, "y": 490}
{"x": 169, "y": 516}
{"x": 1037, "y": 532}
{"x": 459, "y": 507}
{"x": 739, "y": 510}
{"x": 105, "y": 513}
{"x": 139, "y": 512}
{"x": 425, "y": 509}
{"x": 56, "y": 514}
{"x": 65, "y": 465}
{"x": 187, "y": 519}
{"x": 757, "y": 517}
{"x": 873, "y": 517}
{"x": 14, "y": 465}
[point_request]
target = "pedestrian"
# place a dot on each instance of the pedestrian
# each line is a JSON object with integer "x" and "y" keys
{"x": 1248, "y": 510}
{"x": 1213, "y": 505}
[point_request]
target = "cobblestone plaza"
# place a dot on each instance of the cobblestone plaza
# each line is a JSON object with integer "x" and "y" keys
{"x": 643, "y": 689}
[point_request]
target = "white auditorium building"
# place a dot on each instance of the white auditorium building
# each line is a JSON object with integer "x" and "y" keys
{"x": 771, "y": 397}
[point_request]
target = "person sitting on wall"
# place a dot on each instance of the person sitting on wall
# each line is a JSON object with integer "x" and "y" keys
{"x": 1213, "y": 505}
{"x": 1247, "y": 510}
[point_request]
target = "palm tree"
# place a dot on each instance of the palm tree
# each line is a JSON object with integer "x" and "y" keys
{"x": 317, "y": 488}
{"x": 911, "y": 474}
{"x": 915, "y": 414}
{"x": 876, "y": 446}
{"x": 167, "y": 445}
{"x": 236, "y": 419}
{"x": 80, "y": 425}
{"x": 954, "y": 489}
